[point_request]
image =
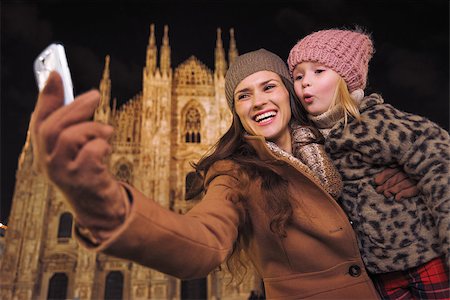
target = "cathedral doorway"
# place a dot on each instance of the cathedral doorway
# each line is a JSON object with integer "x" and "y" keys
{"x": 114, "y": 286}
{"x": 57, "y": 289}
{"x": 194, "y": 289}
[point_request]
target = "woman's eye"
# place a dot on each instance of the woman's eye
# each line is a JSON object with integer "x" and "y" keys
{"x": 242, "y": 96}
{"x": 269, "y": 86}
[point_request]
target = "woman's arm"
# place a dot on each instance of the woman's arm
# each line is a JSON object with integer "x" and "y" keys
{"x": 185, "y": 246}
{"x": 112, "y": 217}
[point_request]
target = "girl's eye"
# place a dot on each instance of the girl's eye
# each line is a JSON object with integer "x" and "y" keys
{"x": 298, "y": 77}
{"x": 318, "y": 71}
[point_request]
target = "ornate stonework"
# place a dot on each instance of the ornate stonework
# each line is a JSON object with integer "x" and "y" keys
{"x": 176, "y": 118}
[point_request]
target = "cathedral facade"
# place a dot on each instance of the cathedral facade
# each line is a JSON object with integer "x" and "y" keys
{"x": 179, "y": 115}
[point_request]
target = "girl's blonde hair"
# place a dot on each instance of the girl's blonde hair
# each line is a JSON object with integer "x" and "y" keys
{"x": 342, "y": 97}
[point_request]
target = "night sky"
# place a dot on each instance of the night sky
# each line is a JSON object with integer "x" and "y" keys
{"x": 410, "y": 67}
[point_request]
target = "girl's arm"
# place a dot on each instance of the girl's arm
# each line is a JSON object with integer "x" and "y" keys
{"x": 422, "y": 149}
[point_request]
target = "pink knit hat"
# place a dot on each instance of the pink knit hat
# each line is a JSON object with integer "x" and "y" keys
{"x": 346, "y": 52}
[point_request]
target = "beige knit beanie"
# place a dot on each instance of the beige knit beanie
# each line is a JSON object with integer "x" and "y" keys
{"x": 346, "y": 52}
{"x": 249, "y": 63}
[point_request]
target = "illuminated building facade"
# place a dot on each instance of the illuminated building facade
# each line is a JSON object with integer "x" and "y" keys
{"x": 176, "y": 118}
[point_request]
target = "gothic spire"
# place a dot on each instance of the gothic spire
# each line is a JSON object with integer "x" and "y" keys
{"x": 106, "y": 69}
{"x": 220, "y": 62}
{"x": 105, "y": 86}
{"x": 103, "y": 110}
{"x": 152, "y": 52}
{"x": 165, "y": 52}
{"x": 233, "y": 51}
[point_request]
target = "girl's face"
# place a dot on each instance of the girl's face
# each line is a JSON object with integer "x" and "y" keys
{"x": 315, "y": 85}
{"x": 262, "y": 103}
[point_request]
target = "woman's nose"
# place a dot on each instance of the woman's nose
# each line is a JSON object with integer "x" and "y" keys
{"x": 260, "y": 100}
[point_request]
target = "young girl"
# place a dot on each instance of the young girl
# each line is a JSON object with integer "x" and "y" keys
{"x": 404, "y": 245}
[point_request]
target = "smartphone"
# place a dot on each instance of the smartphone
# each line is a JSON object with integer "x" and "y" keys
{"x": 53, "y": 58}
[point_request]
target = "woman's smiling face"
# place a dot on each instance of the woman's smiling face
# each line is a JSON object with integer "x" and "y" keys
{"x": 262, "y": 103}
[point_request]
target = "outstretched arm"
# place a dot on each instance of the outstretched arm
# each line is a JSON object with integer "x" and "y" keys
{"x": 70, "y": 149}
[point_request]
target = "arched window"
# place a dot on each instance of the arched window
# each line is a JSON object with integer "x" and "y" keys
{"x": 57, "y": 288}
{"x": 114, "y": 285}
{"x": 65, "y": 226}
{"x": 192, "y": 126}
{"x": 124, "y": 173}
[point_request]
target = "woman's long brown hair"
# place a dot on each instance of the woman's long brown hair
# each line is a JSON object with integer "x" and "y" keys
{"x": 232, "y": 146}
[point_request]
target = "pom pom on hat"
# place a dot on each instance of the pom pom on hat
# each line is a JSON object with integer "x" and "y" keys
{"x": 346, "y": 52}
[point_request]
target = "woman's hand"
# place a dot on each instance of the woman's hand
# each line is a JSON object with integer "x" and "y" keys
{"x": 393, "y": 181}
{"x": 70, "y": 150}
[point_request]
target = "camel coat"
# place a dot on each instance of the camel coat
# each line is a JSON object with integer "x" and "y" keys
{"x": 318, "y": 259}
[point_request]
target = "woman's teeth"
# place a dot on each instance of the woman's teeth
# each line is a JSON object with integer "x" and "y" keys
{"x": 264, "y": 116}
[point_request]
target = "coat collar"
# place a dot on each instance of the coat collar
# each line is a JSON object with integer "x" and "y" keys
{"x": 259, "y": 144}
{"x": 263, "y": 151}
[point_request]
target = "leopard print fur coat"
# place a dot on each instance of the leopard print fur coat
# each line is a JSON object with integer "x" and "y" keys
{"x": 393, "y": 235}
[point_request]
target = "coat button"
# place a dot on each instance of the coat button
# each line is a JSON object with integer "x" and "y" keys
{"x": 354, "y": 270}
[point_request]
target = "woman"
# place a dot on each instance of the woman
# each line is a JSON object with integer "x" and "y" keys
{"x": 263, "y": 194}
